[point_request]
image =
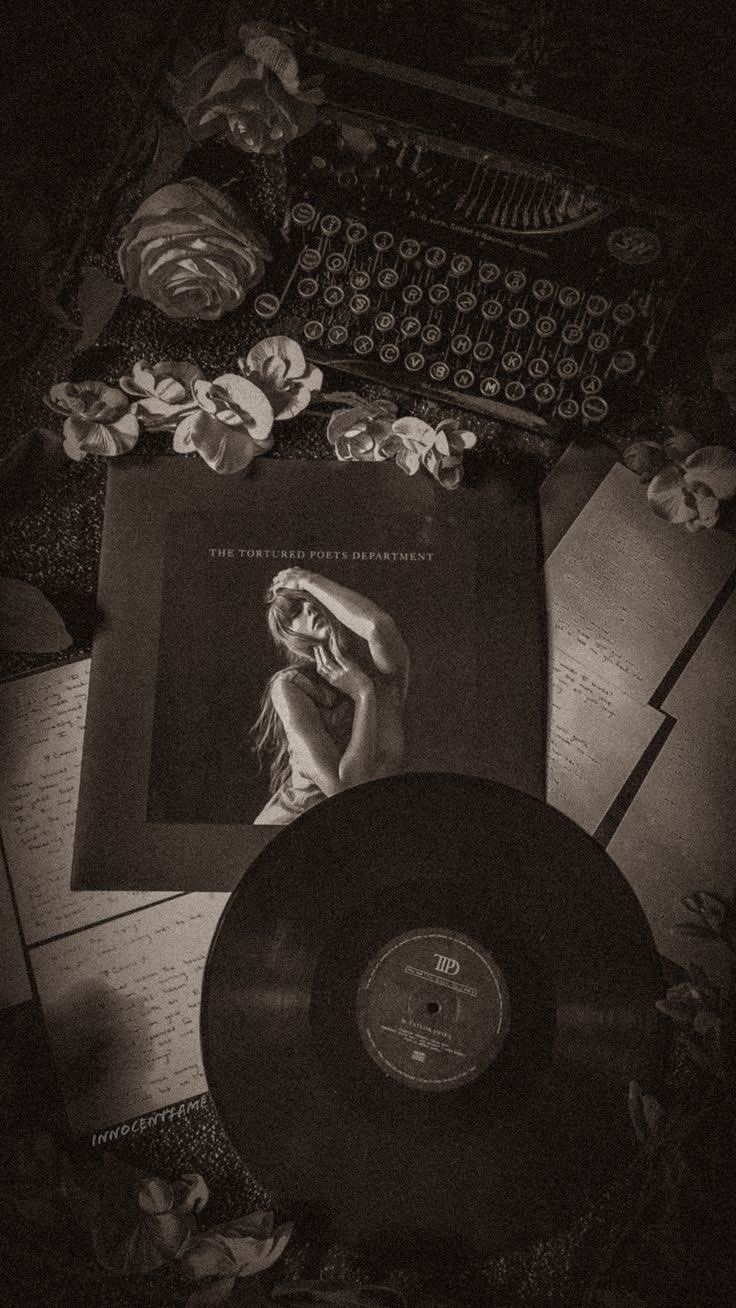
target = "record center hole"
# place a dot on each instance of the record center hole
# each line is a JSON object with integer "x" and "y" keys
{"x": 433, "y": 1006}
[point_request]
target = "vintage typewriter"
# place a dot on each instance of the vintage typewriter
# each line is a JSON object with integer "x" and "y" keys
{"x": 428, "y": 249}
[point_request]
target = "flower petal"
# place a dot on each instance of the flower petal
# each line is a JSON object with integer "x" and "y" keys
{"x": 248, "y": 400}
{"x": 282, "y": 347}
{"x": 666, "y": 495}
{"x": 415, "y": 430}
{"x": 715, "y": 466}
{"x": 225, "y": 449}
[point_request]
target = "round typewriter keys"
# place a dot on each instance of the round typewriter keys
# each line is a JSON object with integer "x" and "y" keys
{"x": 491, "y": 309}
{"x": 333, "y": 295}
{"x": 337, "y": 335}
{"x": 572, "y": 334}
{"x": 435, "y": 256}
{"x": 490, "y": 386}
{"x": 385, "y": 321}
{"x": 414, "y": 362}
{"x": 409, "y": 248}
{"x": 569, "y": 297}
{"x": 538, "y": 368}
{"x": 460, "y": 265}
{"x": 515, "y": 280}
{"x": 567, "y": 368}
{"x": 488, "y": 273}
{"x": 410, "y": 326}
{"x": 514, "y": 391}
{"x": 356, "y": 232}
{"x": 412, "y": 294}
{"x": 359, "y": 279}
{"x": 461, "y": 344}
{"x": 542, "y": 289}
{"x": 330, "y": 224}
{"x": 545, "y": 326}
{"x": 307, "y": 287}
{"x": 544, "y": 392}
{"x": 303, "y": 213}
{"x": 335, "y": 262}
{"x": 363, "y": 344}
{"x": 511, "y": 361}
{"x": 482, "y": 351}
{"x": 389, "y": 352}
{"x": 596, "y": 305}
{"x": 431, "y": 333}
{"x": 313, "y": 329}
{"x": 359, "y": 303}
{"x": 518, "y": 318}
{"x": 439, "y": 371}
{"x": 439, "y": 293}
{"x": 623, "y": 362}
{"x": 266, "y": 305}
{"x": 623, "y": 313}
{"x": 591, "y": 384}
{"x": 464, "y": 379}
{"x": 568, "y": 409}
{"x": 382, "y": 241}
{"x": 594, "y": 408}
{"x": 598, "y": 342}
{"x": 310, "y": 258}
{"x": 387, "y": 279}
{"x": 465, "y": 302}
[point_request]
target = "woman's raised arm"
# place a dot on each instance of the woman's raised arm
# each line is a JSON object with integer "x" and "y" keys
{"x": 359, "y": 614}
{"x": 312, "y": 749}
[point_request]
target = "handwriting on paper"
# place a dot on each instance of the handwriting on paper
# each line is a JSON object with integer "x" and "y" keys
{"x": 121, "y": 1002}
{"x": 42, "y": 729}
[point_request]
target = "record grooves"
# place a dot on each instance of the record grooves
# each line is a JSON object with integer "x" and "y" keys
{"x": 421, "y": 1011}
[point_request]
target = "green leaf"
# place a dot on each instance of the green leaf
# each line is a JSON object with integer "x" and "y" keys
{"x": 29, "y": 624}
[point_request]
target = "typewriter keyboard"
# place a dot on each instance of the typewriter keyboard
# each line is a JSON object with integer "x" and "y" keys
{"x": 496, "y": 336}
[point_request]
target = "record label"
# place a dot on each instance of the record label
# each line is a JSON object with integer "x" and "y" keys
{"x": 433, "y": 1009}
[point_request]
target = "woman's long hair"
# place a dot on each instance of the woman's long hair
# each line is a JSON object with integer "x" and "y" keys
{"x": 269, "y": 737}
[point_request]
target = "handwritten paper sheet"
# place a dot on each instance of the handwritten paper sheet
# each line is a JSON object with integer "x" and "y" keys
{"x": 597, "y": 735}
{"x": 627, "y": 590}
{"x": 15, "y": 986}
{"x": 41, "y": 733}
{"x": 121, "y": 1003}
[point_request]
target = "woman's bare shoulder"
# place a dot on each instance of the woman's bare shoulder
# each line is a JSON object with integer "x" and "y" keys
{"x": 291, "y": 685}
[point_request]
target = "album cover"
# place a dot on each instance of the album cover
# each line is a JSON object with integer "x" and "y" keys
{"x": 270, "y": 641}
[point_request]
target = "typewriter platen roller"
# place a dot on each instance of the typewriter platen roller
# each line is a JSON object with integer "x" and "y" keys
{"x": 441, "y": 268}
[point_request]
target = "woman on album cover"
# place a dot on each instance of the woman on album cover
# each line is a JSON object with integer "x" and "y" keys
{"x": 333, "y": 717}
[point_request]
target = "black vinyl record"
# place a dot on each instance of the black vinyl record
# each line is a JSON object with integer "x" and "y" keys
{"x": 421, "y": 1011}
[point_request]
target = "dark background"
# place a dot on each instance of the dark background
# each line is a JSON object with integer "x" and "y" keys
{"x": 216, "y": 654}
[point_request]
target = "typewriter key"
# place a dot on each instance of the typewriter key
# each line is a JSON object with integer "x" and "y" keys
{"x": 439, "y": 293}
{"x": 594, "y": 408}
{"x": 359, "y": 279}
{"x": 544, "y": 392}
{"x": 538, "y": 368}
{"x": 387, "y": 279}
{"x": 338, "y": 334}
{"x": 310, "y": 258}
{"x": 431, "y": 333}
{"x": 488, "y": 272}
{"x": 335, "y": 262}
{"x": 511, "y": 361}
{"x": 545, "y": 326}
{"x": 414, "y": 362}
{"x": 518, "y": 318}
{"x": 465, "y": 302}
{"x": 266, "y": 305}
{"x": 623, "y": 362}
{"x": 567, "y": 368}
{"x": 383, "y": 241}
{"x": 384, "y": 321}
{"x": 463, "y": 379}
{"x": 303, "y": 213}
{"x": 514, "y": 391}
{"x": 356, "y": 232}
{"x": 412, "y": 294}
{"x": 307, "y": 287}
{"x": 596, "y": 305}
{"x": 460, "y": 265}
{"x": 435, "y": 256}
{"x": 363, "y": 344}
{"x": 515, "y": 280}
{"x": 439, "y": 371}
{"x": 491, "y": 309}
{"x": 313, "y": 329}
{"x": 591, "y": 384}
{"x": 623, "y": 313}
{"x": 333, "y": 295}
{"x": 598, "y": 342}
{"x": 461, "y": 344}
{"x": 389, "y": 352}
{"x": 490, "y": 386}
{"x": 482, "y": 351}
{"x": 542, "y": 289}
{"x": 410, "y": 326}
{"x": 568, "y": 409}
{"x": 572, "y": 334}
{"x": 569, "y": 296}
{"x": 359, "y": 303}
{"x": 330, "y": 224}
{"x": 409, "y": 248}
